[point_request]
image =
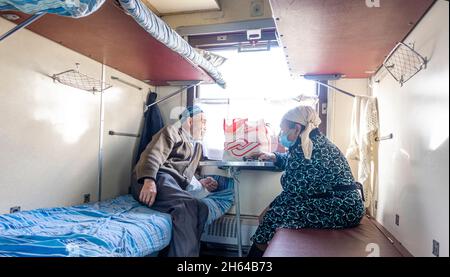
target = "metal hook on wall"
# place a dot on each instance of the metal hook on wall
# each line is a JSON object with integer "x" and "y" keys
{"x": 388, "y": 137}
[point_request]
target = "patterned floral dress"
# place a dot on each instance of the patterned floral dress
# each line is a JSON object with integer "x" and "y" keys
{"x": 317, "y": 193}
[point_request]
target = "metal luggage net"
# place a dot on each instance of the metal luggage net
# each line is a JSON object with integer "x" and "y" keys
{"x": 74, "y": 78}
{"x": 404, "y": 62}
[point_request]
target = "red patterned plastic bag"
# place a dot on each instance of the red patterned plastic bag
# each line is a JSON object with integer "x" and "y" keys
{"x": 242, "y": 138}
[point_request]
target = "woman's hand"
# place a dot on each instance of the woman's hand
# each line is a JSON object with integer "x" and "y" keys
{"x": 209, "y": 183}
{"x": 263, "y": 156}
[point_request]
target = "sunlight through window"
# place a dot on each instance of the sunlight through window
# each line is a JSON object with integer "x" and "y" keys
{"x": 259, "y": 86}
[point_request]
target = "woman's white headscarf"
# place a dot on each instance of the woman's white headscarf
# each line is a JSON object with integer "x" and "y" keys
{"x": 306, "y": 116}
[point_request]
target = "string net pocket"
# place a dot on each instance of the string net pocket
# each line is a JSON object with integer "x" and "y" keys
{"x": 404, "y": 62}
{"x": 74, "y": 78}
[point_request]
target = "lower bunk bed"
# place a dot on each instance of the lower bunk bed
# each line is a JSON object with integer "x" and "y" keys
{"x": 120, "y": 227}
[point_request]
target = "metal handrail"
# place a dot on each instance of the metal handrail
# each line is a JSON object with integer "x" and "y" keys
{"x": 126, "y": 82}
{"x": 113, "y": 133}
{"x": 172, "y": 95}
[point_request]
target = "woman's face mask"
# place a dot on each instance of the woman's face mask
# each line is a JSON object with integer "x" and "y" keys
{"x": 284, "y": 140}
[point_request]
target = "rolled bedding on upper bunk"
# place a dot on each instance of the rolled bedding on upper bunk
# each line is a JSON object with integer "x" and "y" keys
{"x": 70, "y": 8}
{"x": 158, "y": 29}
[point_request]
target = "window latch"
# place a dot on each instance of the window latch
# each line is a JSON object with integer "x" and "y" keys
{"x": 254, "y": 34}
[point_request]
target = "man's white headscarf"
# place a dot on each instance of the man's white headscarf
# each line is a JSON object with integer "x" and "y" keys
{"x": 306, "y": 116}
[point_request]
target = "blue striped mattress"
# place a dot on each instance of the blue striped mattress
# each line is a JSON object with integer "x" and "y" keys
{"x": 70, "y": 8}
{"x": 116, "y": 228}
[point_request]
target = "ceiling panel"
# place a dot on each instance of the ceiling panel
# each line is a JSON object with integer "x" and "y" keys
{"x": 343, "y": 36}
{"x": 177, "y": 6}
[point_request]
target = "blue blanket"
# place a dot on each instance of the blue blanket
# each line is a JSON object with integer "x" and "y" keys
{"x": 119, "y": 227}
{"x": 220, "y": 201}
{"x": 116, "y": 228}
{"x": 70, "y": 8}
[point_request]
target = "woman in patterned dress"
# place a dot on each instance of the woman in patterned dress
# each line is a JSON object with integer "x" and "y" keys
{"x": 319, "y": 190}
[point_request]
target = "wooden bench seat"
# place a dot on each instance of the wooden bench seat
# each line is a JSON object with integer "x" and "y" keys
{"x": 367, "y": 239}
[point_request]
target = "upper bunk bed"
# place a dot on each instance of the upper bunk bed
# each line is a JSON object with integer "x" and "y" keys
{"x": 350, "y": 38}
{"x": 123, "y": 34}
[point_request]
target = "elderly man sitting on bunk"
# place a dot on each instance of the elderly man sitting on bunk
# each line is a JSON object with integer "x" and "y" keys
{"x": 164, "y": 179}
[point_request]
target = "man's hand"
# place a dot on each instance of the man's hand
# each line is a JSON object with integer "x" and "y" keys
{"x": 148, "y": 192}
{"x": 263, "y": 156}
{"x": 209, "y": 183}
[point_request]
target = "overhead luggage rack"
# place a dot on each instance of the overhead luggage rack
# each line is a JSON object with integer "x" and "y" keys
{"x": 404, "y": 62}
{"x": 74, "y": 78}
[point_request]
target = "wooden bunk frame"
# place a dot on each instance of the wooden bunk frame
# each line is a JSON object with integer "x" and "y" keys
{"x": 113, "y": 38}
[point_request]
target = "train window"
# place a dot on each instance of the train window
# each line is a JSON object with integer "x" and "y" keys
{"x": 259, "y": 86}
